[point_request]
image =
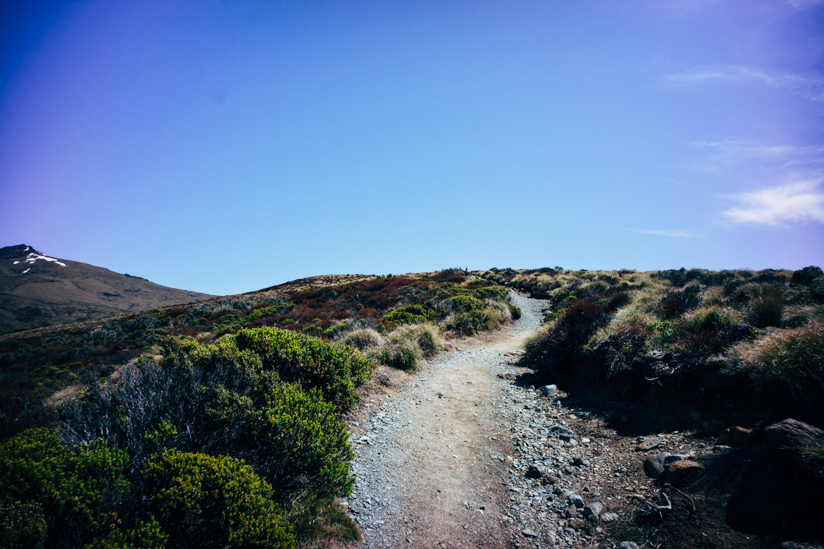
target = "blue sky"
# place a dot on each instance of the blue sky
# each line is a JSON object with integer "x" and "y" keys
{"x": 228, "y": 146}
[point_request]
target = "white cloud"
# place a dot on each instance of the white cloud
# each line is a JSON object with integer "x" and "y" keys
{"x": 793, "y": 202}
{"x": 809, "y": 86}
{"x": 672, "y": 234}
{"x": 804, "y": 4}
{"x": 776, "y": 159}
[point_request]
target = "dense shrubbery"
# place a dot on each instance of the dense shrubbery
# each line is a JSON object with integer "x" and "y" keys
{"x": 51, "y": 492}
{"x": 303, "y": 445}
{"x": 677, "y": 333}
{"x": 333, "y": 369}
{"x": 220, "y": 443}
{"x": 206, "y": 501}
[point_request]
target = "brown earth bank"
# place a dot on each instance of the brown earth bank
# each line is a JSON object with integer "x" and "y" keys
{"x": 468, "y": 452}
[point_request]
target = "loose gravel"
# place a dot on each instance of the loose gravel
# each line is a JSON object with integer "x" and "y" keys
{"x": 458, "y": 454}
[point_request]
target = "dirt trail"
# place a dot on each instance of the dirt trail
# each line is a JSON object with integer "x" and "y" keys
{"x": 432, "y": 456}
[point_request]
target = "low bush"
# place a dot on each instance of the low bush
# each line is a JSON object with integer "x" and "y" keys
{"x": 768, "y": 308}
{"x": 70, "y": 491}
{"x": 147, "y": 535}
{"x": 299, "y": 443}
{"x": 677, "y": 302}
{"x": 213, "y": 502}
{"x": 334, "y": 369}
{"x": 707, "y": 332}
{"x": 806, "y": 275}
{"x": 556, "y": 348}
{"x": 408, "y": 314}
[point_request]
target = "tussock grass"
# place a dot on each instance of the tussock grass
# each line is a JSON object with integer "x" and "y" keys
{"x": 363, "y": 339}
{"x": 786, "y": 367}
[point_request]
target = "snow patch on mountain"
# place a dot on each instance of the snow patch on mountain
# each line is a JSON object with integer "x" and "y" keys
{"x": 33, "y": 257}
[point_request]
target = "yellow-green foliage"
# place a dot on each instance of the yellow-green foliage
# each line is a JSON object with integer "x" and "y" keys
{"x": 306, "y": 445}
{"x": 45, "y": 482}
{"x": 147, "y": 535}
{"x": 213, "y": 501}
{"x": 334, "y": 369}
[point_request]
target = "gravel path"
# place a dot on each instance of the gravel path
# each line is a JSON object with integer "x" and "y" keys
{"x": 433, "y": 460}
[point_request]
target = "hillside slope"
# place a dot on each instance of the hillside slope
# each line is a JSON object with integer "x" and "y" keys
{"x": 37, "y": 291}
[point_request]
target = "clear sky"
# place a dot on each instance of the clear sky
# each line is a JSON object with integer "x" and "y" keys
{"x": 224, "y": 147}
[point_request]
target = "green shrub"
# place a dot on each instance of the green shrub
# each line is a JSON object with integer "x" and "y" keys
{"x": 303, "y": 444}
{"x": 45, "y": 482}
{"x": 408, "y": 314}
{"x": 334, "y": 369}
{"x": 464, "y": 304}
{"x": 494, "y": 293}
{"x": 213, "y": 502}
{"x": 22, "y": 525}
{"x": 677, "y": 302}
{"x": 147, "y": 535}
{"x": 514, "y": 311}
{"x": 806, "y": 275}
{"x": 768, "y": 308}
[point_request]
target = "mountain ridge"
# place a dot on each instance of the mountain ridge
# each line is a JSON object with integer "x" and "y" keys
{"x": 37, "y": 290}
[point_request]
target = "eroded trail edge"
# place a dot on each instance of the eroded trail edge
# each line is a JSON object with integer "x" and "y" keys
{"x": 432, "y": 456}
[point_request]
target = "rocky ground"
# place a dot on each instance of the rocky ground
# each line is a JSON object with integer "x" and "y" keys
{"x": 464, "y": 453}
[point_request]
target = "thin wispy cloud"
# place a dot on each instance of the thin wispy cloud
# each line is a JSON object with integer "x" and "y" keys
{"x": 776, "y": 159}
{"x": 800, "y": 201}
{"x": 804, "y": 4}
{"x": 671, "y": 234}
{"x": 809, "y": 86}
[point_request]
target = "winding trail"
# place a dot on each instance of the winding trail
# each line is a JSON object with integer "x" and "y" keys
{"x": 432, "y": 460}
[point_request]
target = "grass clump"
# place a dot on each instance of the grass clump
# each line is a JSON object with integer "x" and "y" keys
{"x": 787, "y": 368}
{"x": 321, "y": 518}
{"x": 363, "y": 339}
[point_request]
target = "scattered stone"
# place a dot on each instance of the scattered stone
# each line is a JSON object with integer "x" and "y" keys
{"x": 677, "y": 473}
{"x": 577, "y": 523}
{"x": 648, "y": 445}
{"x": 576, "y": 500}
{"x": 669, "y": 460}
{"x": 594, "y": 509}
{"x": 577, "y": 459}
{"x": 628, "y": 545}
{"x": 571, "y": 512}
{"x": 529, "y": 533}
{"x": 550, "y": 390}
{"x": 536, "y": 470}
{"x": 506, "y": 375}
{"x": 654, "y": 465}
{"x": 609, "y": 517}
{"x": 734, "y": 436}
{"x": 450, "y": 348}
